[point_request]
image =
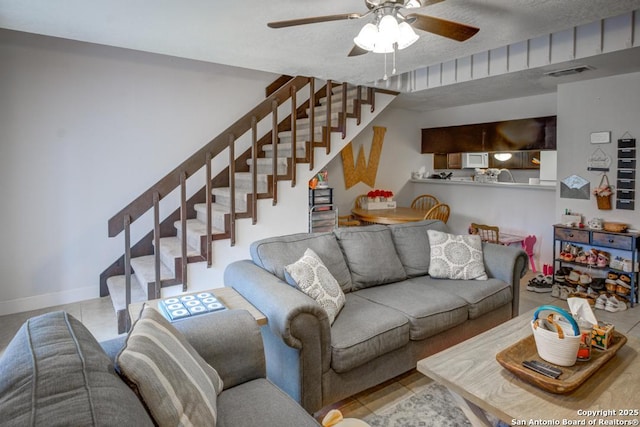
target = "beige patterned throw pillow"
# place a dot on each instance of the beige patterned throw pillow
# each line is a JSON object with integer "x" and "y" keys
{"x": 313, "y": 278}
{"x": 456, "y": 256}
{"x": 175, "y": 382}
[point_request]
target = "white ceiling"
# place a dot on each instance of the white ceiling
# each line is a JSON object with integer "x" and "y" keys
{"x": 235, "y": 33}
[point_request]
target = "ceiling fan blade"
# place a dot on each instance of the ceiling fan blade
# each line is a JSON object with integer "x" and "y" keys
{"x": 357, "y": 51}
{"x": 313, "y": 20}
{"x": 442, "y": 27}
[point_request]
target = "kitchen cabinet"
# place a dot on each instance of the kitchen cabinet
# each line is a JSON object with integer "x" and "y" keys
{"x": 538, "y": 133}
{"x": 322, "y": 213}
{"x": 447, "y": 161}
{"x": 625, "y": 244}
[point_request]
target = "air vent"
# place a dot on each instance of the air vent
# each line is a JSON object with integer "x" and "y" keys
{"x": 568, "y": 71}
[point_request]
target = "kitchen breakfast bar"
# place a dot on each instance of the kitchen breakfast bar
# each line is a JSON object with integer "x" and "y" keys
{"x": 517, "y": 208}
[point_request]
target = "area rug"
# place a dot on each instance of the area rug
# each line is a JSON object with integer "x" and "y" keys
{"x": 433, "y": 406}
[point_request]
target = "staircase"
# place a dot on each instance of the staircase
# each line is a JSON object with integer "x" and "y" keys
{"x": 185, "y": 236}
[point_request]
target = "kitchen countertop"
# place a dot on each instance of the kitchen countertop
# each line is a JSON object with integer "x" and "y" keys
{"x": 455, "y": 181}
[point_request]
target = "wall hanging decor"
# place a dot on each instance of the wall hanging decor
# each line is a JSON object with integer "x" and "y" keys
{"x": 575, "y": 187}
{"x": 599, "y": 161}
{"x": 603, "y": 193}
{"x": 625, "y": 196}
{"x": 362, "y": 171}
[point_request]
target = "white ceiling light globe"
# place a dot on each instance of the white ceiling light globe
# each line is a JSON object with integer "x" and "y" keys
{"x": 367, "y": 36}
{"x": 388, "y": 28}
{"x": 407, "y": 36}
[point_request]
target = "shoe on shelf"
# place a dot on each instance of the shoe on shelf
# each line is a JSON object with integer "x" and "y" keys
{"x": 555, "y": 291}
{"x": 543, "y": 287}
{"x": 564, "y": 292}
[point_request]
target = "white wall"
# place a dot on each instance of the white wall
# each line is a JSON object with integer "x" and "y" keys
{"x": 609, "y": 104}
{"x": 85, "y": 129}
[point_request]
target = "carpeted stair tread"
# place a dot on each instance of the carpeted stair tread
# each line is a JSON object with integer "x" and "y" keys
{"x": 218, "y": 213}
{"x": 195, "y": 230}
{"x": 223, "y": 197}
{"x": 117, "y": 291}
{"x": 145, "y": 270}
{"x": 265, "y": 165}
{"x": 284, "y": 149}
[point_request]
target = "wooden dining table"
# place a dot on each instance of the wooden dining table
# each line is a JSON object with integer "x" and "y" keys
{"x": 389, "y": 216}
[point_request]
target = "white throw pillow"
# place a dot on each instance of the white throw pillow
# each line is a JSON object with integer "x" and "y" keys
{"x": 314, "y": 279}
{"x": 456, "y": 256}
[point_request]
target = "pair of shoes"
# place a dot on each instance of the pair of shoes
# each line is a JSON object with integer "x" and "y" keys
{"x": 614, "y": 304}
{"x": 555, "y": 290}
{"x": 540, "y": 283}
{"x": 601, "y": 302}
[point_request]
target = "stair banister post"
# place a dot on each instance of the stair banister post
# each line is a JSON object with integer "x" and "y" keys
{"x": 312, "y": 120}
{"x": 127, "y": 270}
{"x": 343, "y": 116}
{"x": 274, "y": 142}
{"x": 183, "y": 226}
{"x": 372, "y": 99}
{"x": 294, "y": 116}
{"x": 357, "y": 104}
{"x": 254, "y": 170}
{"x": 156, "y": 243}
{"x": 208, "y": 201}
{"x": 232, "y": 188}
{"x": 327, "y": 133}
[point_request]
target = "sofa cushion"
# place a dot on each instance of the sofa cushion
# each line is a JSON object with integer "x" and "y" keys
{"x": 311, "y": 276}
{"x": 274, "y": 253}
{"x": 412, "y": 244}
{"x": 363, "y": 331}
{"x": 358, "y": 243}
{"x": 456, "y": 256}
{"x": 54, "y": 373}
{"x": 176, "y": 384}
{"x": 482, "y": 296}
{"x": 260, "y": 403}
{"x": 428, "y": 310}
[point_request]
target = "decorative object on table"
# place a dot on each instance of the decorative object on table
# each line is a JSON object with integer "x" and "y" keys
{"x": 616, "y": 227}
{"x": 380, "y": 199}
{"x": 626, "y": 173}
{"x": 595, "y": 223}
{"x": 575, "y": 187}
{"x": 603, "y": 193}
{"x": 334, "y": 418}
{"x": 557, "y": 335}
{"x": 362, "y": 171}
{"x": 599, "y": 161}
{"x": 181, "y": 307}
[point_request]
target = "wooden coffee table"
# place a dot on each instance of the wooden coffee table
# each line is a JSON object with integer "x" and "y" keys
{"x": 229, "y": 297}
{"x": 478, "y": 381}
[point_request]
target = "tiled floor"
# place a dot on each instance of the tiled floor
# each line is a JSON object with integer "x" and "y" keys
{"x": 99, "y": 317}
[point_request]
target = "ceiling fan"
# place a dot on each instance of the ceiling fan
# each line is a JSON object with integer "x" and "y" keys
{"x": 380, "y": 9}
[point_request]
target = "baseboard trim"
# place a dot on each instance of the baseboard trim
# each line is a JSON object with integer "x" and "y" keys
{"x": 41, "y": 301}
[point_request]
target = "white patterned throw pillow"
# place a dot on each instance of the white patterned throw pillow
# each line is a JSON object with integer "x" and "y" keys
{"x": 313, "y": 278}
{"x": 456, "y": 256}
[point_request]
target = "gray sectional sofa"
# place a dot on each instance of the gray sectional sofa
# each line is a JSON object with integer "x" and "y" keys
{"x": 54, "y": 373}
{"x": 394, "y": 315}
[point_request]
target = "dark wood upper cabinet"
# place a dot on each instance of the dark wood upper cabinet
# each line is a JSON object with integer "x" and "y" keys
{"x": 537, "y": 133}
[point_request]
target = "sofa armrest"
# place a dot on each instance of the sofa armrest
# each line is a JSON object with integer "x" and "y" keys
{"x": 509, "y": 264}
{"x": 298, "y": 334}
{"x": 230, "y": 341}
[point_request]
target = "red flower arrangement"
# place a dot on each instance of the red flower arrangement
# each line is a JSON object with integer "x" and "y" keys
{"x": 380, "y": 193}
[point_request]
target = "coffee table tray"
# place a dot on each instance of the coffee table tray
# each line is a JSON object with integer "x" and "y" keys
{"x": 572, "y": 377}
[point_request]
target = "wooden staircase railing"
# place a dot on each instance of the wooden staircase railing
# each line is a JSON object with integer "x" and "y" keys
{"x": 285, "y": 89}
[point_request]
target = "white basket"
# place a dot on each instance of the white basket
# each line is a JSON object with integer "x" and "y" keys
{"x": 559, "y": 347}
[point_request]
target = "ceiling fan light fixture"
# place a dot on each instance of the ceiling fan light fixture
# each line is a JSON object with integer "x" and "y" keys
{"x": 407, "y": 36}
{"x": 388, "y": 29}
{"x": 412, "y": 4}
{"x": 367, "y": 37}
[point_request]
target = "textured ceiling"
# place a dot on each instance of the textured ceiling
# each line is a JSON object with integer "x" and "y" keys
{"x": 235, "y": 33}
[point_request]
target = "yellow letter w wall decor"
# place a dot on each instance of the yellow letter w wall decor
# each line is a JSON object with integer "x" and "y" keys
{"x": 361, "y": 170}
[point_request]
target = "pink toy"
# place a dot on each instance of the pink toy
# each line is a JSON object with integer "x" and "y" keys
{"x": 528, "y": 243}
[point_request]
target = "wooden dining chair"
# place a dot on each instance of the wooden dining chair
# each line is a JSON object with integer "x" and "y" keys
{"x": 424, "y": 202}
{"x": 488, "y": 233}
{"x": 350, "y": 220}
{"x": 439, "y": 211}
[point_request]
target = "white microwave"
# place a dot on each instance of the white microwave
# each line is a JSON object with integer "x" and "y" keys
{"x": 475, "y": 160}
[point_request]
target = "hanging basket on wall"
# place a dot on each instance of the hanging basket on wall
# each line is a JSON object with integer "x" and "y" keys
{"x": 603, "y": 193}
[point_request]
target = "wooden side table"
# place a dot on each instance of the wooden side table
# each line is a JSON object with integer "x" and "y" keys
{"x": 228, "y": 296}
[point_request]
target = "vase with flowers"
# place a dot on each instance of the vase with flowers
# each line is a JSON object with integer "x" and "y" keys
{"x": 380, "y": 195}
{"x": 603, "y": 193}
